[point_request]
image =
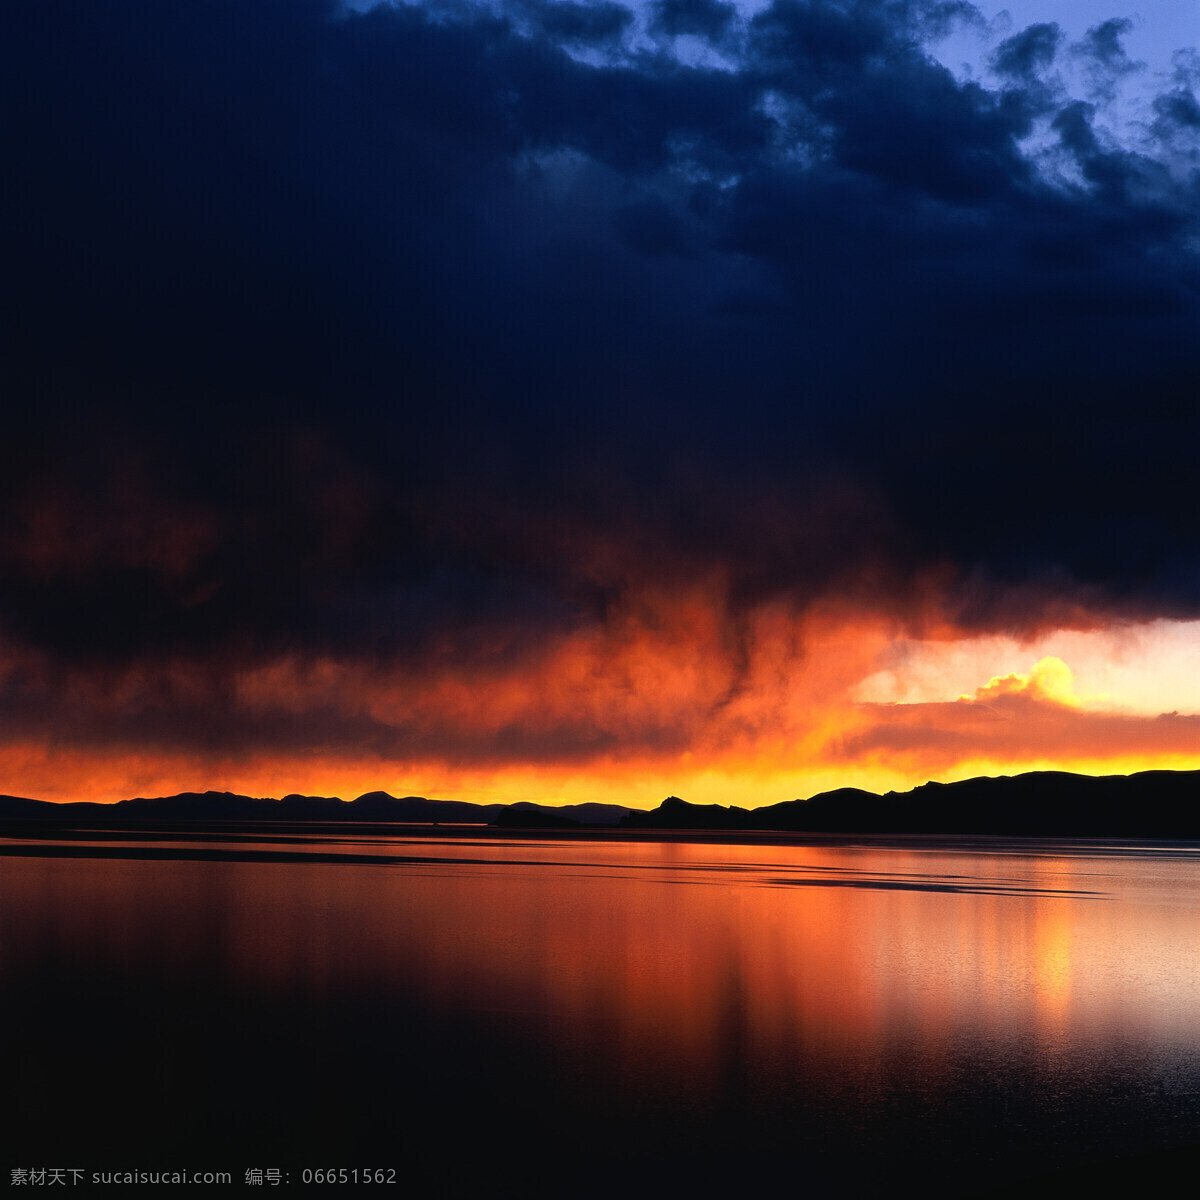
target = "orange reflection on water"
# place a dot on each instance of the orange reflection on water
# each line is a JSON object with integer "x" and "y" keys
{"x": 684, "y": 971}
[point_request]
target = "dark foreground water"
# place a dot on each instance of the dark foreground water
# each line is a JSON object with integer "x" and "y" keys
{"x": 516, "y": 1016}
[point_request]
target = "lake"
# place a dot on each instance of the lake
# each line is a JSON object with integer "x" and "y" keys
{"x": 553, "y": 1016}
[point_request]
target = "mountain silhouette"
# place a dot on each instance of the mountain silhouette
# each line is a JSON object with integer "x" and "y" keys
{"x": 371, "y": 806}
{"x": 1159, "y": 804}
{"x": 1153, "y": 804}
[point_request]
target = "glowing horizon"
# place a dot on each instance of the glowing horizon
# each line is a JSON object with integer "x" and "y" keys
{"x": 766, "y": 736}
{"x": 560, "y": 403}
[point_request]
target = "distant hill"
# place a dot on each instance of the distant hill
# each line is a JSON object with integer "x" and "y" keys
{"x": 1155, "y": 804}
{"x": 372, "y": 806}
{"x": 1160, "y": 804}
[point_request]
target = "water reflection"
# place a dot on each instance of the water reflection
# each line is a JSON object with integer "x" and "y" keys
{"x": 701, "y": 1004}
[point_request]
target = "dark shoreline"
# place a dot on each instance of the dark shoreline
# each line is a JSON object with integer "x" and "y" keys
{"x": 320, "y": 832}
{"x": 1148, "y": 805}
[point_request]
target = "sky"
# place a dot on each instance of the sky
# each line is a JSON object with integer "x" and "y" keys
{"x": 547, "y": 401}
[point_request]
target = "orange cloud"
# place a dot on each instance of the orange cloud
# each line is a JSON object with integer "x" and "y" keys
{"x": 676, "y": 691}
{"x": 1021, "y": 722}
{"x": 1050, "y": 680}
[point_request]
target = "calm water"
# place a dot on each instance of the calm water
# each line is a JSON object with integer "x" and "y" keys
{"x": 553, "y": 1017}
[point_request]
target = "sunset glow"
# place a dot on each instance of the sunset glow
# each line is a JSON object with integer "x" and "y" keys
{"x": 561, "y": 403}
{"x": 655, "y": 703}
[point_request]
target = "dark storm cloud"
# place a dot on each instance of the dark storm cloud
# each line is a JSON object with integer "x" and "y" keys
{"x": 651, "y": 227}
{"x": 1028, "y": 53}
{"x": 1104, "y": 55}
{"x": 1176, "y": 115}
{"x": 370, "y": 334}
{"x": 702, "y": 18}
{"x": 581, "y": 24}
